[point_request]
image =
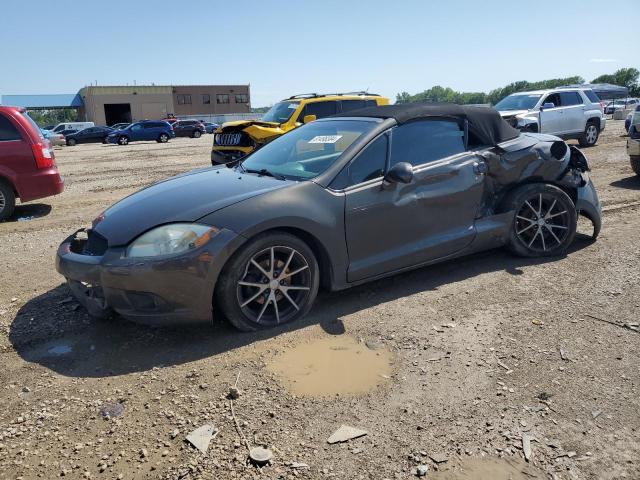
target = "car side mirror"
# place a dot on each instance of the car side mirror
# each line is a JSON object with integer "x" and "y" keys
{"x": 309, "y": 118}
{"x": 548, "y": 105}
{"x": 401, "y": 172}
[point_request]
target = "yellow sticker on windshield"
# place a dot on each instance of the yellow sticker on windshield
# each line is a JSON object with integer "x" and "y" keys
{"x": 325, "y": 139}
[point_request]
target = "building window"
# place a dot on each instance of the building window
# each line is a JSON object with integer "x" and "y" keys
{"x": 222, "y": 98}
{"x": 206, "y": 98}
{"x": 184, "y": 99}
{"x": 242, "y": 98}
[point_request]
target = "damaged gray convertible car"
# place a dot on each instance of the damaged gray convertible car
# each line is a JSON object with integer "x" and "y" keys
{"x": 335, "y": 203}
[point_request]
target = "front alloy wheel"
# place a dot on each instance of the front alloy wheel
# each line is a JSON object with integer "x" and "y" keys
{"x": 123, "y": 140}
{"x": 545, "y": 221}
{"x": 274, "y": 280}
{"x": 164, "y": 138}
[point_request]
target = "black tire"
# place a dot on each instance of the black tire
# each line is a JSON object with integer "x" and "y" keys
{"x": 197, "y": 134}
{"x": 544, "y": 223}
{"x": 71, "y": 142}
{"x": 104, "y": 140}
{"x": 7, "y": 200}
{"x": 163, "y": 138}
{"x": 591, "y": 134}
{"x": 635, "y": 164}
{"x": 250, "y": 308}
{"x": 122, "y": 140}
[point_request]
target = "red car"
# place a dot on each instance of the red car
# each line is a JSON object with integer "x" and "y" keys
{"x": 27, "y": 165}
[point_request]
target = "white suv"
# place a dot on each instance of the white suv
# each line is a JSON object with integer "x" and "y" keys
{"x": 564, "y": 112}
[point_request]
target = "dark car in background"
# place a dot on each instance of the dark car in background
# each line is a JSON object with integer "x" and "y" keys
{"x": 88, "y": 135}
{"x": 210, "y": 127}
{"x": 189, "y": 128}
{"x": 157, "y": 130}
{"x": 336, "y": 202}
{"x": 27, "y": 164}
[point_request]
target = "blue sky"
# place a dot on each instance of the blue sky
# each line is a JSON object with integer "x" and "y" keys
{"x": 282, "y": 48}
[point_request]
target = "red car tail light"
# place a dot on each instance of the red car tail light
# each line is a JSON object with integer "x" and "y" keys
{"x": 43, "y": 155}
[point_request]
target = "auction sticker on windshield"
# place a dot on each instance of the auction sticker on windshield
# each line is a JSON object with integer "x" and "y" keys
{"x": 325, "y": 139}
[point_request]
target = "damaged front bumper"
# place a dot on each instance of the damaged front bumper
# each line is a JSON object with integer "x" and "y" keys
{"x": 153, "y": 290}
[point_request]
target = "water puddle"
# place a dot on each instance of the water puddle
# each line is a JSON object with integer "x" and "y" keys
{"x": 490, "y": 469}
{"x": 59, "y": 349}
{"x": 335, "y": 365}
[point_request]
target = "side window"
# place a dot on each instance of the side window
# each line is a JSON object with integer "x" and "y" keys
{"x": 7, "y": 130}
{"x": 319, "y": 109}
{"x": 426, "y": 141}
{"x": 570, "y": 98}
{"x": 137, "y": 127}
{"x": 369, "y": 164}
{"x": 592, "y": 96}
{"x": 348, "y": 105}
{"x": 553, "y": 98}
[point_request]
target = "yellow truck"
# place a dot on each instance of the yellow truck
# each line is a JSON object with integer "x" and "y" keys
{"x": 234, "y": 140}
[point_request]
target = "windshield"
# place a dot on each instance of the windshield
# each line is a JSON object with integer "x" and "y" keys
{"x": 280, "y": 112}
{"x": 518, "y": 102}
{"x": 308, "y": 151}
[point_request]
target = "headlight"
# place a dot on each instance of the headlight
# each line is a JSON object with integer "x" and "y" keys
{"x": 170, "y": 240}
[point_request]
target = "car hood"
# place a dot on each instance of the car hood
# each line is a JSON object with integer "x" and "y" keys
{"x": 257, "y": 130}
{"x": 512, "y": 113}
{"x": 185, "y": 198}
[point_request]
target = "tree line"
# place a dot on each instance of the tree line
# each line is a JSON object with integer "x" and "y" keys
{"x": 626, "y": 77}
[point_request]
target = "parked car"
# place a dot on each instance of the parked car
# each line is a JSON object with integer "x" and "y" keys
{"x": 49, "y": 127}
{"x": 74, "y": 126}
{"x": 620, "y": 104}
{"x": 210, "y": 127}
{"x": 120, "y": 126}
{"x": 633, "y": 141}
{"x": 234, "y": 140}
{"x": 89, "y": 135}
{"x": 27, "y": 164}
{"x": 336, "y": 202}
{"x": 157, "y": 130}
{"x": 189, "y": 128}
{"x": 54, "y": 139}
{"x": 569, "y": 113}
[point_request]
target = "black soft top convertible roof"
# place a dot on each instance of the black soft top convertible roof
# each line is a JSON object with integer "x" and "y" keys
{"x": 484, "y": 123}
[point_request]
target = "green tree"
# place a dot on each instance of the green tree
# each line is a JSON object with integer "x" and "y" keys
{"x": 53, "y": 117}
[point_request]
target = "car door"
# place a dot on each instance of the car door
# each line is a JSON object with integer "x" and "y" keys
{"x": 393, "y": 226}
{"x": 137, "y": 132}
{"x": 573, "y": 119}
{"x": 551, "y": 118}
{"x": 85, "y": 136}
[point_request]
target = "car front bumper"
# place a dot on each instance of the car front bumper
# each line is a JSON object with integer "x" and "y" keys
{"x": 155, "y": 290}
{"x": 588, "y": 204}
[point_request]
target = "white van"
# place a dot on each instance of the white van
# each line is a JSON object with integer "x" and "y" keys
{"x": 72, "y": 126}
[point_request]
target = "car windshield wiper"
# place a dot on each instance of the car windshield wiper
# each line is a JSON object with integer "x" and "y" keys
{"x": 264, "y": 171}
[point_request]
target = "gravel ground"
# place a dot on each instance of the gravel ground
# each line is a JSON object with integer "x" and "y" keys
{"x": 485, "y": 352}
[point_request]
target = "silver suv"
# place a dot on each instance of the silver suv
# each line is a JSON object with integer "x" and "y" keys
{"x": 565, "y": 112}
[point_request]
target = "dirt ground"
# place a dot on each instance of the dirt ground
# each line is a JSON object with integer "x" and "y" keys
{"x": 478, "y": 357}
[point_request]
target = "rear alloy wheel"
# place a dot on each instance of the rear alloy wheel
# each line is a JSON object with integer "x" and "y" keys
{"x": 545, "y": 221}
{"x": 635, "y": 164}
{"x": 71, "y": 142}
{"x": 123, "y": 140}
{"x": 197, "y": 134}
{"x": 272, "y": 281}
{"x": 590, "y": 136}
{"x": 163, "y": 138}
{"x": 7, "y": 201}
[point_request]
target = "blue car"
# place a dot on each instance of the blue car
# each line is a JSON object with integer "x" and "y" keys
{"x": 156, "y": 130}
{"x": 210, "y": 127}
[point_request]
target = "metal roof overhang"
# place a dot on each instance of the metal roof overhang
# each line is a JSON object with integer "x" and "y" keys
{"x": 63, "y": 100}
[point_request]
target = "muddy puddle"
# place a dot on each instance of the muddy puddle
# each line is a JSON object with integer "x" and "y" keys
{"x": 335, "y": 365}
{"x": 489, "y": 469}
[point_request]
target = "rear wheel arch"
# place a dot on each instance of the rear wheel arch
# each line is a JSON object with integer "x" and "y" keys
{"x": 594, "y": 120}
{"x": 7, "y": 181}
{"x": 502, "y": 205}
